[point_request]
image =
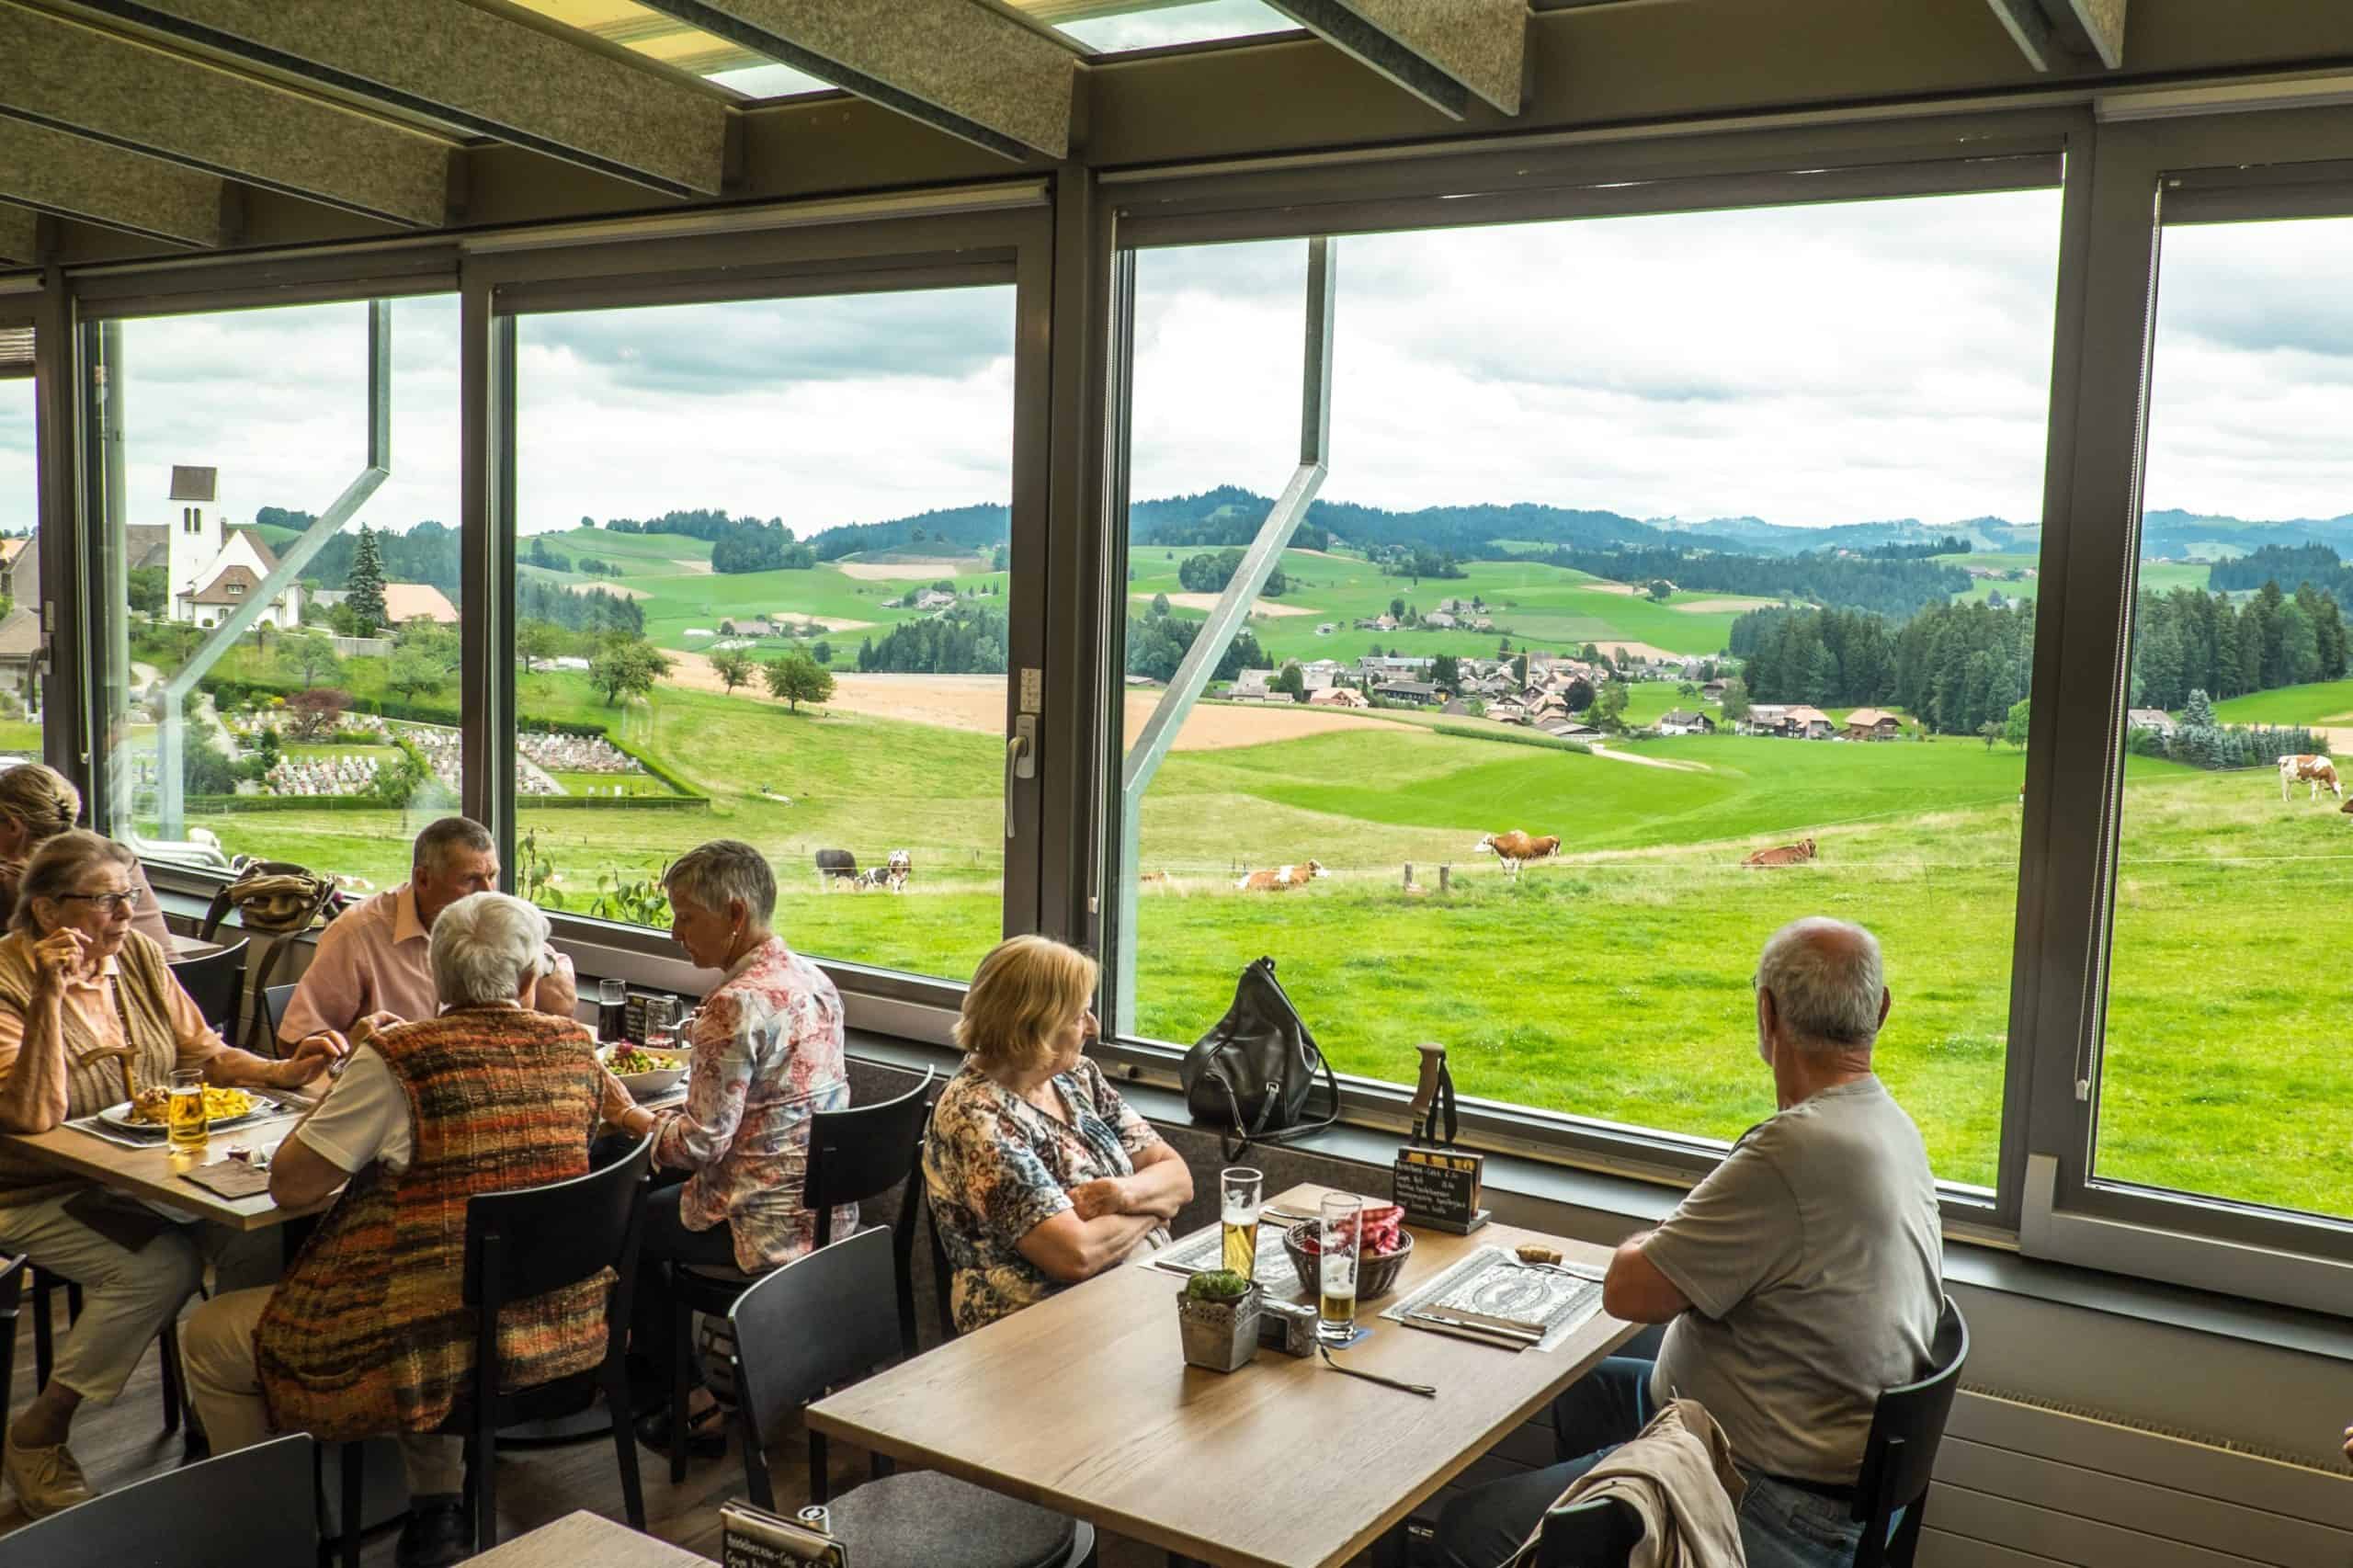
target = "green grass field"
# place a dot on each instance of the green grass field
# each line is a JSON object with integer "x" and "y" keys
{"x": 2156, "y": 576}
{"x": 1612, "y": 983}
{"x": 2322, "y": 702}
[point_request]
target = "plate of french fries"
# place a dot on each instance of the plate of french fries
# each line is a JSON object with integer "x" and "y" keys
{"x": 222, "y": 1108}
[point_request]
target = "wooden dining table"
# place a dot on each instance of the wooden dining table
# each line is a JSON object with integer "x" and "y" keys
{"x": 587, "y": 1540}
{"x": 1082, "y": 1404}
{"x": 155, "y": 1174}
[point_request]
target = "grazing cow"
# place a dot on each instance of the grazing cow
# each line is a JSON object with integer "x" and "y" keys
{"x": 835, "y": 867}
{"x": 1516, "y": 848}
{"x": 892, "y": 874}
{"x": 1153, "y": 880}
{"x": 1282, "y": 878}
{"x": 1796, "y": 854}
{"x": 2316, "y": 771}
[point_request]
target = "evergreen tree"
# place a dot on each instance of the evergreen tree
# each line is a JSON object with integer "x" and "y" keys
{"x": 2198, "y": 711}
{"x": 365, "y": 586}
{"x": 1291, "y": 684}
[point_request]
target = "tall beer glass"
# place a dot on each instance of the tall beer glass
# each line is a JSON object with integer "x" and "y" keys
{"x": 1240, "y": 1192}
{"x": 186, "y": 1124}
{"x": 1341, "y": 1225}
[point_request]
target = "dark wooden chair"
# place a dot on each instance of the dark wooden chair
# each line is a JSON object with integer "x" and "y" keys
{"x": 1907, "y": 1427}
{"x": 275, "y": 1000}
{"x": 44, "y": 1288}
{"x": 212, "y": 982}
{"x": 518, "y": 1246}
{"x": 229, "y": 1512}
{"x": 854, "y": 1155}
{"x": 822, "y": 1321}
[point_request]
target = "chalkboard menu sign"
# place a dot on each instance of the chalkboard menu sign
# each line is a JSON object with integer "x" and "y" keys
{"x": 1440, "y": 1188}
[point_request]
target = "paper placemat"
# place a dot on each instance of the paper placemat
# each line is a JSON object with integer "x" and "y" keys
{"x": 100, "y": 1130}
{"x": 1205, "y": 1248}
{"x": 229, "y": 1178}
{"x": 1577, "y": 1307}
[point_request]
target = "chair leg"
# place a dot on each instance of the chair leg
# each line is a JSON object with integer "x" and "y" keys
{"x": 624, "y": 1441}
{"x": 820, "y": 1483}
{"x": 168, "y": 1345}
{"x": 682, "y": 1334}
{"x": 73, "y": 1303}
{"x": 482, "y": 1463}
{"x": 44, "y": 1329}
{"x": 355, "y": 1475}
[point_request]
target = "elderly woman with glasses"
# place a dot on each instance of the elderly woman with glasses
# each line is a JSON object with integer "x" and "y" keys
{"x": 1039, "y": 1175}
{"x": 88, "y": 1012}
{"x": 767, "y": 1054}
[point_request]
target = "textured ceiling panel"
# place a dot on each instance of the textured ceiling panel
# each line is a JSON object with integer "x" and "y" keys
{"x": 106, "y": 86}
{"x": 19, "y": 235}
{"x": 497, "y": 75}
{"x": 965, "y": 67}
{"x": 59, "y": 172}
{"x": 1481, "y": 43}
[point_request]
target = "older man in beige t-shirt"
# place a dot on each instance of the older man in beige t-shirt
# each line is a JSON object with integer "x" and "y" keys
{"x": 374, "y": 959}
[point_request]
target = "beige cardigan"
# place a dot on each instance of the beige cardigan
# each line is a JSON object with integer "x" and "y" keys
{"x": 1677, "y": 1476}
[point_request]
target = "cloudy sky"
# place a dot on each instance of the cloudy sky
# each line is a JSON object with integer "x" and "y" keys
{"x": 1807, "y": 365}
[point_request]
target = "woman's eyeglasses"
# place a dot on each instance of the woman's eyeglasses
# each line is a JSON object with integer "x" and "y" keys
{"x": 107, "y": 902}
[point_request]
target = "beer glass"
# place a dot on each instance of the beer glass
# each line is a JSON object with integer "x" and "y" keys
{"x": 1240, "y": 1191}
{"x": 612, "y": 1011}
{"x": 1340, "y": 1225}
{"x": 661, "y": 1022}
{"x": 184, "y": 1114}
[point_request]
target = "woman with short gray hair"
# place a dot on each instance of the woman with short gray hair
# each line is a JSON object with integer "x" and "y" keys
{"x": 766, "y": 1053}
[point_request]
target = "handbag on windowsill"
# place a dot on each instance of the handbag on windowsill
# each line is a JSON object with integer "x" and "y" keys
{"x": 1255, "y": 1072}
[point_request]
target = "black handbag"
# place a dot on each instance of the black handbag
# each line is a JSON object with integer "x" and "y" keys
{"x": 1255, "y": 1072}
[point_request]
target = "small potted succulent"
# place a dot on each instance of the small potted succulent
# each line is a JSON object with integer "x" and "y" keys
{"x": 1217, "y": 1316}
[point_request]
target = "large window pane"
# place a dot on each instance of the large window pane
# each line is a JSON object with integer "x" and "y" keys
{"x": 321, "y": 727}
{"x": 761, "y": 563}
{"x": 1619, "y": 511}
{"x": 20, "y": 693}
{"x": 2223, "y": 1070}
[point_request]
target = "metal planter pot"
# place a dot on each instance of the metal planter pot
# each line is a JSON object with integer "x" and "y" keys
{"x": 1219, "y": 1336}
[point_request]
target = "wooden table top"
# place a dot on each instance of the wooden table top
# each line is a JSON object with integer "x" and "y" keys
{"x": 1082, "y": 1404}
{"x": 588, "y": 1541}
{"x": 155, "y": 1173}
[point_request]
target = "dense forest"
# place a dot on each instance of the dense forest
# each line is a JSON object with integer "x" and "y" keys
{"x": 1894, "y": 586}
{"x": 737, "y": 545}
{"x": 426, "y": 553}
{"x": 1158, "y": 641}
{"x": 955, "y": 529}
{"x": 1210, "y": 572}
{"x": 591, "y": 609}
{"x": 1955, "y": 667}
{"x": 2188, "y": 639}
{"x": 966, "y": 639}
{"x": 2313, "y": 563}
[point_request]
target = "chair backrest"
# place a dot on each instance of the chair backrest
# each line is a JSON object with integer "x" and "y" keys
{"x": 823, "y": 1320}
{"x": 1908, "y": 1424}
{"x": 275, "y": 1000}
{"x": 862, "y": 1152}
{"x": 212, "y": 981}
{"x": 538, "y": 1238}
{"x": 231, "y": 1512}
{"x": 1599, "y": 1533}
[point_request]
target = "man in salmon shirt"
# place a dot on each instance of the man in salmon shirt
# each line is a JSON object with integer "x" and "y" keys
{"x": 372, "y": 962}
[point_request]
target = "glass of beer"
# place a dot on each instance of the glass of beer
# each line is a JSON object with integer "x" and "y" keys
{"x": 1338, "y": 1228}
{"x": 661, "y": 1022}
{"x": 612, "y": 1011}
{"x": 1240, "y": 1192}
{"x": 184, "y": 1113}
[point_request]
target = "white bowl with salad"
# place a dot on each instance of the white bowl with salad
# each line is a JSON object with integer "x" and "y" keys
{"x": 644, "y": 1070}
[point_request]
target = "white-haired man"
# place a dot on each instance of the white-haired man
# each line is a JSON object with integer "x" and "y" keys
{"x": 1803, "y": 1277}
{"x": 371, "y": 962}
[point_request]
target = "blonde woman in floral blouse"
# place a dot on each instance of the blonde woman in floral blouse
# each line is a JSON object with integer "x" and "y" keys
{"x": 766, "y": 1054}
{"x": 1040, "y": 1175}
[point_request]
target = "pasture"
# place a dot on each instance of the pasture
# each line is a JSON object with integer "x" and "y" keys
{"x": 2321, "y": 702}
{"x": 1612, "y": 981}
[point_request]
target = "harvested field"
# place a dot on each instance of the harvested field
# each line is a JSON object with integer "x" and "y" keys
{"x": 1208, "y": 602}
{"x": 1640, "y": 650}
{"x": 1724, "y": 606}
{"x": 908, "y": 571}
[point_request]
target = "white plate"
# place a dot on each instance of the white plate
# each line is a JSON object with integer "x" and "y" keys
{"x": 645, "y": 1085}
{"x": 119, "y": 1116}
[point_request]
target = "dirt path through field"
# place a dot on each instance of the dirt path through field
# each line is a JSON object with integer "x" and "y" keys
{"x": 1640, "y": 650}
{"x": 976, "y": 703}
{"x": 908, "y": 571}
{"x": 1722, "y": 607}
{"x": 1676, "y": 764}
{"x": 1208, "y": 602}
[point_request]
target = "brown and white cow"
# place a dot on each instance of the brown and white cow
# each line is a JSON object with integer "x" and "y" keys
{"x": 1282, "y": 878}
{"x": 892, "y": 874}
{"x": 1516, "y": 848}
{"x": 2316, "y": 771}
{"x": 1796, "y": 854}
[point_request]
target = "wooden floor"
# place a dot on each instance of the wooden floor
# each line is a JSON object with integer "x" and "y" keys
{"x": 120, "y": 1444}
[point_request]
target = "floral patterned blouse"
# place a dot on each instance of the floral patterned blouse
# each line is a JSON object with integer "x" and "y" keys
{"x": 766, "y": 1053}
{"x": 995, "y": 1166}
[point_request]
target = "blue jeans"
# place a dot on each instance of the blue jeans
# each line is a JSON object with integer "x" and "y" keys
{"x": 1780, "y": 1526}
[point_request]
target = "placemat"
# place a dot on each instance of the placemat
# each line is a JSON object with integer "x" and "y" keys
{"x": 100, "y": 1130}
{"x": 1205, "y": 1248}
{"x": 229, "y": 1178}
{"x": 1575, "y": 1310}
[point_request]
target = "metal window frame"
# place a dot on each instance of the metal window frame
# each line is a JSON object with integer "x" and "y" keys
{"x": 1008, "y": 240}
{"x": 2148, "y": 175}
{"x": 1931, "y": 156}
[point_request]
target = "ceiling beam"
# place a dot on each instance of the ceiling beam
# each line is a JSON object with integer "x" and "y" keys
{"x": 962, "y": 66}
{"x": 2066, "y": 35}
{"x": 471, "y": 68}
{"x": 186, "y": 111}
{"x": 1443, "y": 52}
{"x": 19, "y": 235}
{"x": 58, "y": 171}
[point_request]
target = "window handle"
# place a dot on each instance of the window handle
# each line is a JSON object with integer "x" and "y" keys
{"x": 1020, "y": 760}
